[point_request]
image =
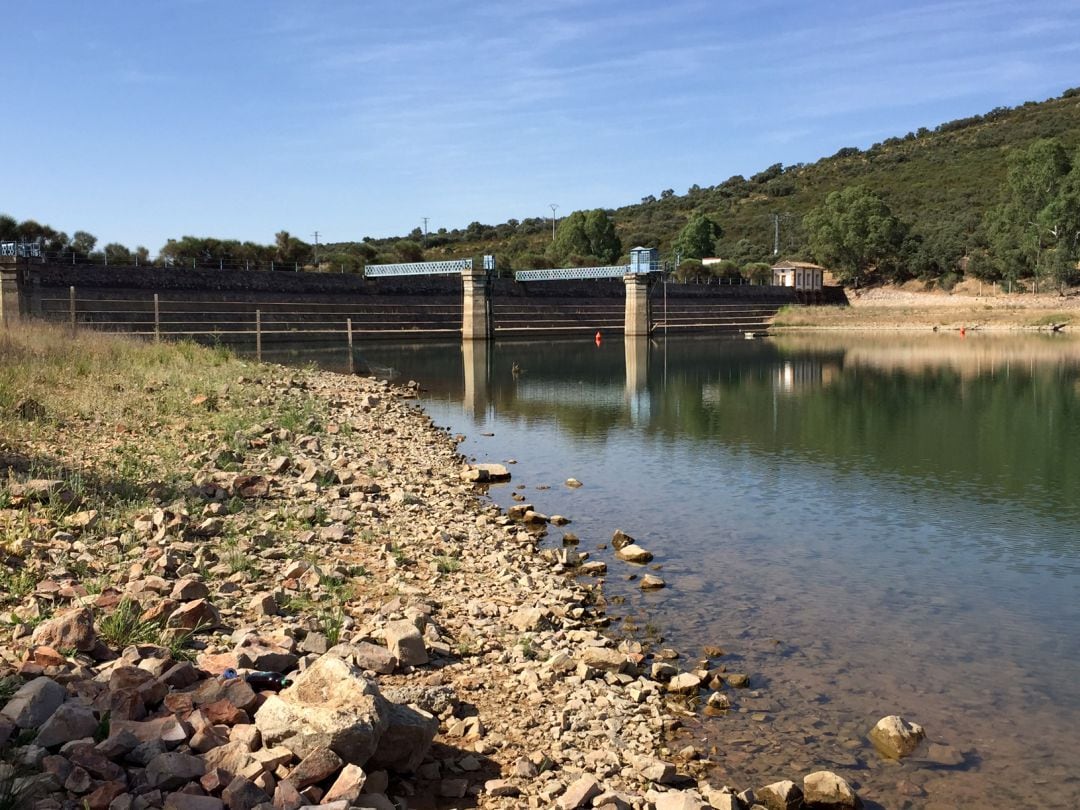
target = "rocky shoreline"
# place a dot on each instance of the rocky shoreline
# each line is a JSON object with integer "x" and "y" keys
{"x": 415, "y": 646}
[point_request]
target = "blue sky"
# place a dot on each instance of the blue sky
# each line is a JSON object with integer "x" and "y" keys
{"x": 149, "y": 120}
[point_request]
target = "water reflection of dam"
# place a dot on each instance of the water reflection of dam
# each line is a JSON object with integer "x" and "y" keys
{"x": 477, "y": 366}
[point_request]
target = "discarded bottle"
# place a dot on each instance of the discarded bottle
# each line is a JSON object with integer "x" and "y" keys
{"x": 267, "y": 681}
{"x": 229, "y": 674}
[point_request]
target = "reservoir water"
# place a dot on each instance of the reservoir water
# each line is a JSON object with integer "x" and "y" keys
{"x": 866, "y": 525}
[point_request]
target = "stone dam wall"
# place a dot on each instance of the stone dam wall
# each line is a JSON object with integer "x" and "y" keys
{"x": 316, "y": 306}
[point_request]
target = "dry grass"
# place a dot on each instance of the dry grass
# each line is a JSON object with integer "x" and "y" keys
{"x": 892, "y": 308}
{"x": 111, "y": 415}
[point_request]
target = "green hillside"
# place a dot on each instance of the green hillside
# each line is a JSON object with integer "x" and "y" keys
{"x": 939, "y": 182}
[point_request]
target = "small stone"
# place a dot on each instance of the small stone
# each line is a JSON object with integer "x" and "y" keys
{"x": 501, "y": 788}
{"x": 651, "y": 582}
{"x": 316, "y": 766}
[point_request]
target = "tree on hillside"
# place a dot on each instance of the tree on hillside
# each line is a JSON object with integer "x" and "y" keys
{"x": 854, "y": 231}
{"x": 697, "y": 239}
{"x": 9, "y": 228}
{"x": 586, "y": 236}
{"x": 1035, "y": 229}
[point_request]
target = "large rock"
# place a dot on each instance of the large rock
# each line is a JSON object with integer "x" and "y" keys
{"x": 34, "y": 702}
{"x": 71, "y": 630}
{"x": 407, "y": 739}
{"x": 72, "y": 721}
{"x": 405, "y": 643}
{"x": 330, "y": 705}
{"x": 603, "y": 658}
{"x": 896, "y": 738}
{"x": 826, "y": 789}
{"x": 173, "y": 769}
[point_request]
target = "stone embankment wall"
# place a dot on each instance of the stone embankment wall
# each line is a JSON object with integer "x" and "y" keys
{"x": 296, "y": 306}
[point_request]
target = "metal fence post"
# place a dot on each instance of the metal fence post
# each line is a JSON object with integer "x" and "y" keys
{"x": 71, "y": 306}
{"x": 258, "y": 335}
{"x": 157, "y": 318}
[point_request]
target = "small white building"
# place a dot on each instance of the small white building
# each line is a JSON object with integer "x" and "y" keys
{"x": 800, "y": 275}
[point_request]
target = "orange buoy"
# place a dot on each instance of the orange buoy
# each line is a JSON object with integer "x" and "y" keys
{"x": 598, "y": 337}
{"x": 963, "y": 331}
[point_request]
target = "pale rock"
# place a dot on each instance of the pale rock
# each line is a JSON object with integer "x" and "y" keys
{"x": 895, "y": 738}
{"x": 783, "y": 795}
{"x": 406, "y": 643}
{"x": 679, "y": 800}
{"x": 329, "y": 705}
{"x": 603, "y": 658}
{"x": 529, "y": 620}
{"x": 634, "y": 553}
{"x": 685, "y": 683}
{"x": 651, "y": 582}
{"x": 348, "y": 785}
{"x": 826, "y": 789}
{"x": 579, "y": 794}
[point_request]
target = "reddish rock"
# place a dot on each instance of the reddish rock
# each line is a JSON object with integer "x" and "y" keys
{"x": 225, "y": 712}
{"x": 315, "y": 767}
{"x": 102, "y": 797}
{"x": 46, "y": 657}
{"x": 193, "y": 615}
{"x": 179, "y": 702}
{"x": 251, "y": 486}
{"x": 72, "y": 630}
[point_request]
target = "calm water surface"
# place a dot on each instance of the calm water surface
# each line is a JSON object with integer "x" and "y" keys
{"x": 868, "y": 526}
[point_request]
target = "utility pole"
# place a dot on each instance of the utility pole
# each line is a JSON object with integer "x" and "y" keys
{"x": 316, "y": 235}
{"x": 553, "y": 206}
{"x": 425, "y": 229}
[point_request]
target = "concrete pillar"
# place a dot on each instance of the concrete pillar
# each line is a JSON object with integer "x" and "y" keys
{"x": 10, "y": 306}
{"x": 474, "y": 355}
{"x": 475, "y": 305}
{"x": 637, "y": 320}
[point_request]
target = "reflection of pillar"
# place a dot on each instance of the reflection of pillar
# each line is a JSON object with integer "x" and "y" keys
{"x": 637, "y": 377}
{"x": 475, "y": 362}
{"x": 10, "y": 310}
{"x": 637, "y": 304}
{"x": 475, "y": 305}
{"x": 637, "y": 364}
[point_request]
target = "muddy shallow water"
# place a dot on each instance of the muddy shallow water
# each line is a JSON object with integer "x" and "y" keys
{"x": 867, "y": 526}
